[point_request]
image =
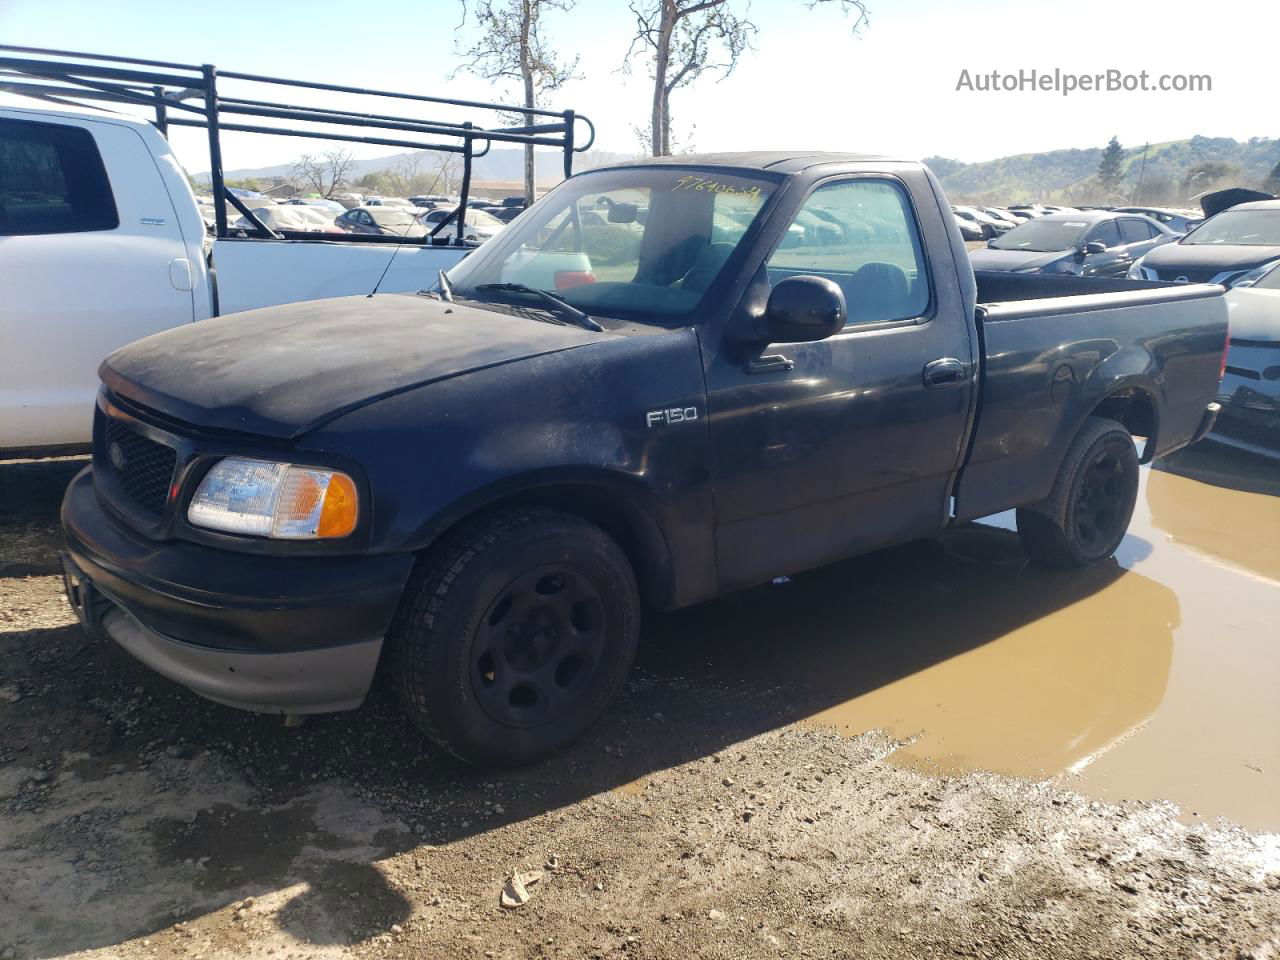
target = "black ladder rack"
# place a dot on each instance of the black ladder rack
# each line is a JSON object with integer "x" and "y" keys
{"x": 187, "y": 95}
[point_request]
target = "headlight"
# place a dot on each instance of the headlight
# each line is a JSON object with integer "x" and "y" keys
{"x": 1253, "y": 276}
{"x": 278, "y": 500}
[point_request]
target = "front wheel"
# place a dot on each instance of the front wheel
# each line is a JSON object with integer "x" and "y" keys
{"x": 1085, "y": 516}
{"x": 514, "y": 634}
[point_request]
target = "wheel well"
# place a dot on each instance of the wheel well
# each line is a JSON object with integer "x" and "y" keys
{"x": 1134, "y": 408}
{"x": 633, "y": 529}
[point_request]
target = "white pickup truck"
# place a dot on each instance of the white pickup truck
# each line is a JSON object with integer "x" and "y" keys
{"x": 101, "y": 242}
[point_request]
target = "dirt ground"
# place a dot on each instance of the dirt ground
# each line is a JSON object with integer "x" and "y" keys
{"x": 900, "y": 756}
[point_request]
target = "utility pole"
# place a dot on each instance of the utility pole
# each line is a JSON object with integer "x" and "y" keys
{"x": 1142, "y": 172}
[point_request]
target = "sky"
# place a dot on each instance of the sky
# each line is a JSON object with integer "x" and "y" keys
{"x": 808, "y": 83}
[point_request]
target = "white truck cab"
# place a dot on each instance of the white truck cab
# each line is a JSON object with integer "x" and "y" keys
{"x": 102, "y": 242}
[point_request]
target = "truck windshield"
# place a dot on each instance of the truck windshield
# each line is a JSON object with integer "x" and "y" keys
{"x": 641, "y": 243}
{"x": 1043, "y": 236}
{"x": 1247, "y": 228}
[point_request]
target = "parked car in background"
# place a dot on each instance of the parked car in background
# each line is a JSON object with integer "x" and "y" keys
{"x": 480, "y": 226}
{"x": 318, "y": 203}
{"x": 505, "y": 213}
{"x": 428, "y": 200}
{"x": 298, "y": 219}
{"x": 1238, "y": 244}
{"x": 1004, "y": 216}
{"x": 989, "y": 225}
{"x": 1095, "y": 243}
{"x": 970, "y": 229}
{"x": 381, "y": 221}
{"x": 207, "y": 214}
{"x": 388, "y": 202}
{"x": 1179, "y": 221}
{"x": 1250, "y": 391}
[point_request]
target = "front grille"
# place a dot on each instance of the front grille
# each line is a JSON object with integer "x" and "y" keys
{"x": 141, "y": 467}
{"x": 1192, "y": 275}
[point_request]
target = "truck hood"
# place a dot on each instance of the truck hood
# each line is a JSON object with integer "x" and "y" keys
{"x": 280, "y": 371}
{"x": 988, "y": 259}
{"x": 1214, "y": 257}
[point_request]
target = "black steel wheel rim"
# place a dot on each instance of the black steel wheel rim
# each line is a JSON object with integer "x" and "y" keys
{"x": 538, "y": 646}
{"x": 1101, "y": 509}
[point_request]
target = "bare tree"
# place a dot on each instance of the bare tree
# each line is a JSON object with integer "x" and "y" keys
{"x": 324, "y": 172}
{"x": 407, "y": 171}
{"x": 511, "y": 47}
{"x": 446, "y": 174}
{"x": 686, "y": 38}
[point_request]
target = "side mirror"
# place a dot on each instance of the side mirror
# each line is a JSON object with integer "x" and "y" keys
{"x": 803, "y": 309}
{"x": 1092, "y": 247}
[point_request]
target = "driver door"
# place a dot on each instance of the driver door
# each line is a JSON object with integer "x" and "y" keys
{"x": 827, "y": 449}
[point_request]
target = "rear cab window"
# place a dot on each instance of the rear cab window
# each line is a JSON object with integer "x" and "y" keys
{"x": 862, "y": 235}
{"x": 52, "y": 180}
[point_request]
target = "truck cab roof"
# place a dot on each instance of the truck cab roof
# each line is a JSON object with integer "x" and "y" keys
{"x": 777, "y": 161}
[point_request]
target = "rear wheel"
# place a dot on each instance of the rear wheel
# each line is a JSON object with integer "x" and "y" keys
{"x": 514, "y": 635}
{"x": 1085, "y": 517}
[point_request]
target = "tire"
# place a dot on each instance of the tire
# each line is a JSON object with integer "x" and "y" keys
{"x": 1085, "y": 516}
{"x": 514, "y": 634}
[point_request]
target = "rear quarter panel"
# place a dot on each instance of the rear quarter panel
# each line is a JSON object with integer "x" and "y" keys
{"x": 1049, "y": 363}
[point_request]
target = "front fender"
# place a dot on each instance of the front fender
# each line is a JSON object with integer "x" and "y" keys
{"x": 574, "y": 420}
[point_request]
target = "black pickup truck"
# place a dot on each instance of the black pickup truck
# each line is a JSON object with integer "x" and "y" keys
{"x": 665, "y": 381}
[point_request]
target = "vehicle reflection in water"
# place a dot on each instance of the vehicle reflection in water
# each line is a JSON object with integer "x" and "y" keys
{"x": 1230, "y": 520}
{"x": 1147, "y": 677}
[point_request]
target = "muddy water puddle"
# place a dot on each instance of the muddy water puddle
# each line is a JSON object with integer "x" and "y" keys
{"x": 1154, "y": 676}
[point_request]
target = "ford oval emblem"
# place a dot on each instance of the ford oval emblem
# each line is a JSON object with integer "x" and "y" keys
{"x": 115, "y": 453}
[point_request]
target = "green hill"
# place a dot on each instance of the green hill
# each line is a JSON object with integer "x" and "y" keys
{"x": 1174, "y": 172}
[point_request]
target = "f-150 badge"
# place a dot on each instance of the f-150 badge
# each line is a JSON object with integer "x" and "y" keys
{"x": 656, "y": 418}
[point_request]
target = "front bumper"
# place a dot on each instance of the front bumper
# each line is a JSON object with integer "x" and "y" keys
{"x": 277, "y": 634}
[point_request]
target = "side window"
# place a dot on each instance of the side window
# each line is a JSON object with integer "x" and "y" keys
{"x": 1107, "y": 233}
{"x": 862, "y": 235}
{"x": 1134, "y": 231}
{"x": 52, "y": 181}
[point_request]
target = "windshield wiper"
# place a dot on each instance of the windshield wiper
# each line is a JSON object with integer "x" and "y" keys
{"x": 558, "y": 304}
{"x": 446, "y": 288}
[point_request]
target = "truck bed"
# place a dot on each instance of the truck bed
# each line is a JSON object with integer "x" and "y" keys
{"x": 1165, "y": 340}
{"x": 1002, "y": 286}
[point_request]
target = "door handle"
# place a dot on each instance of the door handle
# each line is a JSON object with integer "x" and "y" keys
{"x": 944, "y": 372}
